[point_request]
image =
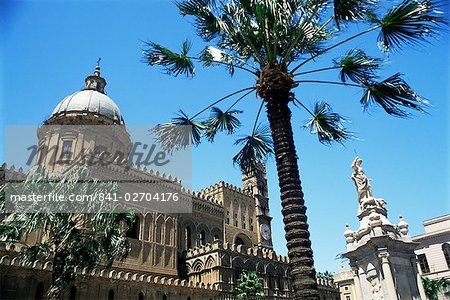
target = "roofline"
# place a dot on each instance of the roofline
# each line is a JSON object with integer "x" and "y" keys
{"x": 436, "y": 220}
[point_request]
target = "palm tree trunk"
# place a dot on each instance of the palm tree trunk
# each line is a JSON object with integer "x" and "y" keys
{"x": 293, "y": 205}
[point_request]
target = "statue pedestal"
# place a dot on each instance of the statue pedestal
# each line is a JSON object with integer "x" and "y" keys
{"x": 381, "y": 254}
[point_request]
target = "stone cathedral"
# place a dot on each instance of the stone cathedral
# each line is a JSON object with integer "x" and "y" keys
{"x": 173, "y": 256}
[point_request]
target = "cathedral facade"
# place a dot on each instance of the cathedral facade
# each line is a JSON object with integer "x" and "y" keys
{"x": 189, "y": 256}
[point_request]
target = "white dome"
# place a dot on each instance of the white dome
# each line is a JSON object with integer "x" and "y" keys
{"x": 89, "y": 101}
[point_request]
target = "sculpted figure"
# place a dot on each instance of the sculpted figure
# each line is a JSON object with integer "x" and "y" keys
{"x": 362, "y": 183}
{"x": 363, "y": 187}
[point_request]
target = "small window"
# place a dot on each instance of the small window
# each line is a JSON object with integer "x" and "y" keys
{"x": 134, "y": 230}
{"x": 446, "y": 250}
{"x": 251, "y": 224}
{"x": 348, "y": 298}
{"x": 141, "y": 296}
{"x": 243, "y": 222}
{"x": 228, "y": 217}
{"x": 39, "y": 294}
{"x": 235, "y": 219}
{"x": 188, "y": 236}
{"x": 423, "y": 263}
{"x": 346, "y": 288}
{"x": 73, "y": 293}
{"x": 164, "y": 297}
{"x": 66, "y": 152}
{"x": 202, "y": 238}
{"x": 111, "y": 295}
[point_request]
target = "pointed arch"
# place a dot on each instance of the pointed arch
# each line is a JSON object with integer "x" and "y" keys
{"x": 169, "y": 231}
{"x": 159, "y": 225}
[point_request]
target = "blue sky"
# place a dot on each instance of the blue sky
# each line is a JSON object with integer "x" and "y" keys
{"x": 48, "y": 47}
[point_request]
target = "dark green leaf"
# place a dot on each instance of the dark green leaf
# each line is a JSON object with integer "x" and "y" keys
{"x": 255, "y": 148}
{"x": 352, "y": 10}
{"x": 173, "y": 63}
{"x": 392, "y": 95}
{"x": 221, "y": 121}
{"x": 409, "y": 23}
{"x": 327, "y": 125}
{"x": 206, "y": 22}
{"x": 357, "y": 66}
{"x": 178, "y": 134}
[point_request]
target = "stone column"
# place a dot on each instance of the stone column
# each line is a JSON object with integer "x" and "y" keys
{"x": 414, "y": 263}
{"x": 388, "y": 279}
{"x": 358, "y": 291}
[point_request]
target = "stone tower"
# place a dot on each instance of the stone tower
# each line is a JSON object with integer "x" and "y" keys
{"x": 255, "y": 180}
{"x": 381, "y": 254}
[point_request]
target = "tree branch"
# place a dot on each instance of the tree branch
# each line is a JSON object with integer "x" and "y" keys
{"x": 317, "y": 70}
{"x": 221, "y": 99}
{"x": 257, "y": 117}
{"x": 330, "y": 82}
{"x": 237, "y": 101}
{"x": 336, "y": 45}
{"x": 302, "y": 105}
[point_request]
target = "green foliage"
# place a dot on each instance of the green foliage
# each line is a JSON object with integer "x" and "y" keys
{"x": 325, "y": 275}
{"x": 73, "y": 240}
{"x": 392, "y": 94}
{"x": 251, "y": 35}
{"x": 433, "y": 287}
{"x": 409, "y": 23}
{"x": 255, "y": 147}
{"x": 249, "y": 286}
{"x": 221, "y": 121}
{"x": 173, "y": 63}
{"x": 357, "y": 66}
{"x": 327, "y": 125}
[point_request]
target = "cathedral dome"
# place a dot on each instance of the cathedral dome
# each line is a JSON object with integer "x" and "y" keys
{"x": 91, "y": 101}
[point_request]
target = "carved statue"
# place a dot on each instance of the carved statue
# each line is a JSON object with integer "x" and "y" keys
{"x": 363, "y": 187}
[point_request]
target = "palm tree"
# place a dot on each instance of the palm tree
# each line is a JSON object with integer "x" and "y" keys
{"x": 274, "y": 40}
{"x": 249, "y": 286}
{"x": 433, "y": 287}
{"x": 72, "y": 240}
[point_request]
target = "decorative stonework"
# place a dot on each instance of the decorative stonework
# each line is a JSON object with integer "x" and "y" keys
{"x": 381, "y": 254}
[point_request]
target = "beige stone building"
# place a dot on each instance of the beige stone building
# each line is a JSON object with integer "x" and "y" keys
{"x": 173, "y": 256}
{"x": 346, "y": 284}
{"x": 433, "y": 252}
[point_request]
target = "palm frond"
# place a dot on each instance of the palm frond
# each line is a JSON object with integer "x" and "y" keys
{"x": 327, "y": 125}
{"x": 211, "y": 56}
{"x": 352, "y": 10}
{"x": 392, "y": 94}
{"x": 409, "y": 23}
{"x": 206, "y": 22}
{"x": 357, "y": 66}
{"x": 173, "y": 63}
{"x": 178, "y": 134}
{"x": 220, "y": 121}
{"x": 255, "y": 148}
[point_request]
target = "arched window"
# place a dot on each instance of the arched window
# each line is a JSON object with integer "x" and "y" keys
{"x": 239, "y": 241}
{"x": 73, "y": 293}
{"x": 271, "y": 282}
{"x": 39, "y": 294}
{"x": 164, "y": 297}
{"x": 216, "y": 236}
{"x": 188, "y": 298}
{"x": 159, "y": 230}
{"x": 202, "y": 238}
{"x": 188, "y": 237}
{"x": 134, "y": 230}
{"x": 111, "y": 295}
{"x": 446, "y": 250}
{"x": 141, "y": 296}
